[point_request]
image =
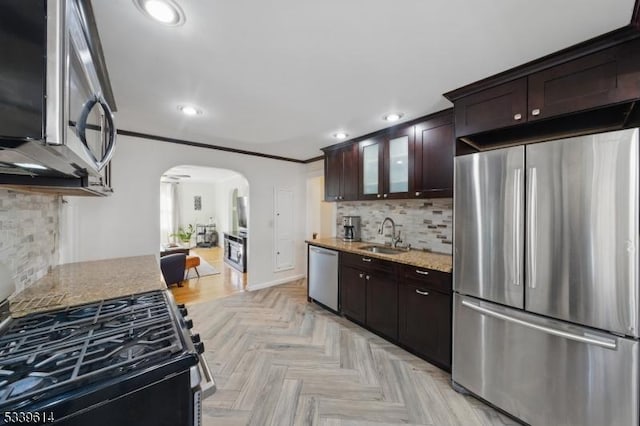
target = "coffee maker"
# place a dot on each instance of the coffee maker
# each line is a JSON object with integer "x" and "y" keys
{"x": 351, "y": 225}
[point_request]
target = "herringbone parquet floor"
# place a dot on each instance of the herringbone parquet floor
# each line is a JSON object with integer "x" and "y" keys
{"x": 279, "y": 360}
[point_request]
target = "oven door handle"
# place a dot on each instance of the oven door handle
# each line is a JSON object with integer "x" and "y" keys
{"x": 207, "y": 384}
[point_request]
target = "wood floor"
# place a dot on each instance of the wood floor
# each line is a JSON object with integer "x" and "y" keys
{"x": 279, "y": 360}
{"x": 228, "y": 281}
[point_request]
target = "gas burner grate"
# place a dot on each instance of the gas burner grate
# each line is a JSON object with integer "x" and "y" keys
{"x": 54, "y": 351}
{"x": 51, "y": 301}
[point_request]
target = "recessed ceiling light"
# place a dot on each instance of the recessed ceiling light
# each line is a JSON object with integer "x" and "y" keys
{"x": 164, "y": 11}
{"x": 31, "y": 166}
{"x": 394, "y": 116}
{"x": 189, "y": 110}
{"x": 340, "y": 135}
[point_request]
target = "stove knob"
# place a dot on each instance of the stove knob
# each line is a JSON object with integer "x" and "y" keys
{"x": 189, "y": 323}
{"x": 199, "y": 347}
{"x": 184, "y": 312}
{"x": 195, "y": 338}
{"x": 180, "y": 306}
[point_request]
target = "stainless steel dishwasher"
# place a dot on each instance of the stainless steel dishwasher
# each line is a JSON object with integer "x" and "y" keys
{"x": 323, "y": 276}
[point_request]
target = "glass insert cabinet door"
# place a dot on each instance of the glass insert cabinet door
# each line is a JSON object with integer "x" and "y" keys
{"x": 399, "y": 164}
{"x": 370, "y": 169}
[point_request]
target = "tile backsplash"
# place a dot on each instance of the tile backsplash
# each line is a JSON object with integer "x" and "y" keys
{"x": 29, "y": 226}
{"x": 425, "y": 224}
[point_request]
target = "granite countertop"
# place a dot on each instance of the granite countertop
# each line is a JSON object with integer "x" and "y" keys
{"x": 423, "y": 259}
{"x": 85, "y": 282}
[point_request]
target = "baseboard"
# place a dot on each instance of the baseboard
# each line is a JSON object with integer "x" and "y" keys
{"x": 276, "y": 282}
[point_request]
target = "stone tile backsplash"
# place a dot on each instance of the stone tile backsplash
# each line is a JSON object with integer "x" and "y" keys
{"x": 425, "y": 224}
{"x": 29, "y": 226}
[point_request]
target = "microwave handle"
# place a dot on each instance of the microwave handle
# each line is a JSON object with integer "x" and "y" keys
{"x": 82, "y": 128}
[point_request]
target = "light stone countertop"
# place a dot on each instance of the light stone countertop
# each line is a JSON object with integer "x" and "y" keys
{"x": 423, "y": 259}
{"x": 86, "y": 282}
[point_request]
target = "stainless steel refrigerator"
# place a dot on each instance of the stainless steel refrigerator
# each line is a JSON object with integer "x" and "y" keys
{"x": 546, "y": 320}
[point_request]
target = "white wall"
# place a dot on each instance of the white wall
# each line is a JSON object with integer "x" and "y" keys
{"x": 188, "y": 214}
{"x": 127, "y": 223}
{"x": 321, "y": 215}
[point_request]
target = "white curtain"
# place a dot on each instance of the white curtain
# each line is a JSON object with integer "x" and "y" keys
{"x": 169, "y": 212}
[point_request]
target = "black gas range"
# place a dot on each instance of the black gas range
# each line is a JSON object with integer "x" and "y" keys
{"x": 124, "y": 361}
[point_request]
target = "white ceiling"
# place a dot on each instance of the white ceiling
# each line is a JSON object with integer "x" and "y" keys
{"x": 281, "y": 76}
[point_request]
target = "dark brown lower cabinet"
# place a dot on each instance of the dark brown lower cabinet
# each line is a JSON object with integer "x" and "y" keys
{"x": 353, "y": 293}
{"x": 382, "y": 303}
{"x": 425, "y": 322}
{"x": 406, "y": 304}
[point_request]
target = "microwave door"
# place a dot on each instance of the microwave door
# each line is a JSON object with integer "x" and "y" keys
{"x": 91, "y": 131}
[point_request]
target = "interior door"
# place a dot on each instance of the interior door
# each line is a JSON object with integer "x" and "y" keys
{"x": 489, "y": 218}
{"x": 582, "y": 230}
{"x": 284, "y": 220}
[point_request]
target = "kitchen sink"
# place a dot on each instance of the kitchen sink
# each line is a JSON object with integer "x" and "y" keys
{"x": 382, "y": 250}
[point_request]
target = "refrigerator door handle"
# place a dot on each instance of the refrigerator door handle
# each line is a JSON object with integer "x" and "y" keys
{"x": 517, "y": 184}
{"x": 532, "y": 188}
{"x": 605, "y": 343}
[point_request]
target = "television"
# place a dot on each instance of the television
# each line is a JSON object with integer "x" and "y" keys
{"x": 243, "y": 207}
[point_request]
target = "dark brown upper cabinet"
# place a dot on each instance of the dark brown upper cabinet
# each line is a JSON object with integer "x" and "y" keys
{"x": 433, "y": 157}
{"x": 603, "y": 78}
{"x": 341, "y": 173}
{"x": 586, "y": 88}
{"x": 386, "y": 164}
{"x": 494, "y": 108}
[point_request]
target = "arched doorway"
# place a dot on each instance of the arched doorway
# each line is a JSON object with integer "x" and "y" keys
{"x": 199, "y": 217}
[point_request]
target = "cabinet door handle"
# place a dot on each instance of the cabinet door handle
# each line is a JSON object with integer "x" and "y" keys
{"x": 378, "y": 195}
{"x": 361, "y": 275}
{"x": 517, "y": 117}
{"x": 422, "y": 293}
{"x": 385, "y": 195}
{"x": 535, "y": 112}
{"x": 366, "y": 259}
{"x": 417, "y": 194}
{"x": 367, "y": 277}
{"x": 418, "y": 271}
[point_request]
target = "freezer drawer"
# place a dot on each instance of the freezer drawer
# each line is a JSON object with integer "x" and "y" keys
{"x": 545, "y": 372}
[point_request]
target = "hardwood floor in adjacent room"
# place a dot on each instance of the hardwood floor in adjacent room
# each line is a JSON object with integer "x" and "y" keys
{"x": 279, "y": 360}
{"x": 228, "y": 281}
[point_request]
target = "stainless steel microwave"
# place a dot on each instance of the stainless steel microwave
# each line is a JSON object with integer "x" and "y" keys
{"x": 56, "y": 103}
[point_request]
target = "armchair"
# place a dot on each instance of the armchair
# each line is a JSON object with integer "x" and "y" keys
{"x": 172, "y": 267}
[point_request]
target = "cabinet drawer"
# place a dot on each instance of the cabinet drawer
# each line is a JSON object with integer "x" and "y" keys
{"x": 365, "y": 262}
{"x": 428, "y": 278}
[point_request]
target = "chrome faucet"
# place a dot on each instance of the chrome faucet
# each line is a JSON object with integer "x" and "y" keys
{"x": 395, "y": 239}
